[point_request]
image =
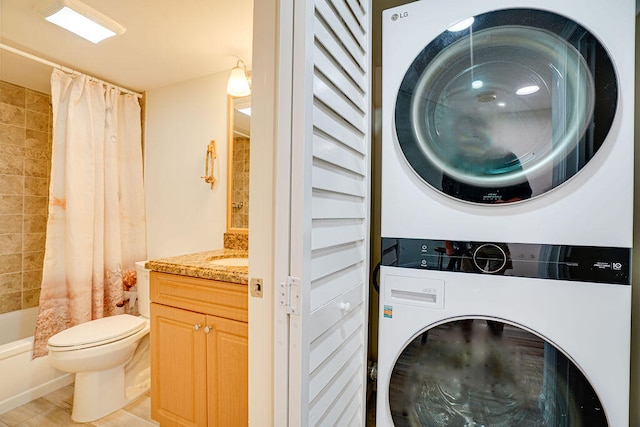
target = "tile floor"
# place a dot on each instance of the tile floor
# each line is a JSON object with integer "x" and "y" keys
{"x": 54, "y": 410}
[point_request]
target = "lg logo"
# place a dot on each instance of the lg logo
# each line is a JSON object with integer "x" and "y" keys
{"x": 397, "y": 16}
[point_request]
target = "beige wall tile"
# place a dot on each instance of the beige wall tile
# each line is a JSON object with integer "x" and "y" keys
{"x": 12, "y": 135}
{"x": 12, "y": 150}
{"x": 11, "y": 205}
{"x": 36, "y": 205}
{"x": 36, "y": 186}
{"x": 32, "y": 279}
{"x": 36, "y": 167}
{"x": 12, "y": 115}
{"x": 10, "y": 243}
{"x": 30, "y": 298}
{"x": 11, "y": 302}
{"x": 10, "y": 224}
{"x": 37, "y": 101}
{"x": 10, "y": 283}
{"x": 37, "y": 121}
{"x": 12, "y": 94}
{"x": 33, "y": 153}
{"x": 33, "y": 242}
{"x": 37, "y": 139}
{"x": 25, "y": 165}
{"x": 35, "y": 223}
{"x": 32, "y": 261}
{"x": 11, "y": 165}
{"x": 11, "y": 185}
{"x": 10, "y": 263}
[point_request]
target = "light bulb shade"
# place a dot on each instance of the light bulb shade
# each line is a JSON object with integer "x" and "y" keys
{"x": 77, "y": 17}
{"x": 238, "y": 84}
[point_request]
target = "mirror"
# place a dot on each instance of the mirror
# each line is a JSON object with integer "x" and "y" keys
{"x": 239, "y": 110}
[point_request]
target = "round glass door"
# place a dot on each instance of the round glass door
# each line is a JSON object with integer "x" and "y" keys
{"x": 505, "y": 106}
{"x": 482, "y": 372}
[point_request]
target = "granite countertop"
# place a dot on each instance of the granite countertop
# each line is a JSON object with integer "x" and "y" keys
{"x": 199, "y": 265}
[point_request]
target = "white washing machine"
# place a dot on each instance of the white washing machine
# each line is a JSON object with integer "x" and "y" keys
{"x": 473, "y": 350}
{"x": 507, "y": 206}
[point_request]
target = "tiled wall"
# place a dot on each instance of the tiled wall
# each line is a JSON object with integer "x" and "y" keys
{"x": 25, "y": 159}
{"x": 240, "y": 215}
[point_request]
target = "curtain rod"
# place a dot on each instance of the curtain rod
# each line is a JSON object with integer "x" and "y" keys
{"x": 65, "y": 69}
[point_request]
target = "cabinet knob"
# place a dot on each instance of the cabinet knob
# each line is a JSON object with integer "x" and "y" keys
{"x": 196, "y": 327}
{"x": 207, "y": 329}
{"x": 345, "y": 307}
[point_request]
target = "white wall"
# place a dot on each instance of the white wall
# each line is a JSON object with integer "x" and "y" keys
{"x": 184, "y": 215}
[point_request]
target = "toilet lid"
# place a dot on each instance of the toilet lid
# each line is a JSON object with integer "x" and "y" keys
{"x": 97, "y": 332}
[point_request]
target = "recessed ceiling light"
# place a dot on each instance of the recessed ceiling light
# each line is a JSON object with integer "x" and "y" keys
{"x": 80, "y": 19}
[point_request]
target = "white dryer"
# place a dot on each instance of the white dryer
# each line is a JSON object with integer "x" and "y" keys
{"x": 507, "y": 182}
{"x": 532, "y": 103}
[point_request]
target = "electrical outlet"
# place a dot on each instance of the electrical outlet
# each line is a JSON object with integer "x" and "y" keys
{"x": 255, "y": 287}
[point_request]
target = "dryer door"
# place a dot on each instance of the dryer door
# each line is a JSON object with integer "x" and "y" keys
{"x": 506, "y": 105}
{"x": 482, "y": 372}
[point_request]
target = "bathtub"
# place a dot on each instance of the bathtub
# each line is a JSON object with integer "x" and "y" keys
{"x": 24, "y": 379}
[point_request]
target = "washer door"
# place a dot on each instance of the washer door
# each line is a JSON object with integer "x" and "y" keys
{"x": 482, "y": 372}
{"x": 506, "y": 108}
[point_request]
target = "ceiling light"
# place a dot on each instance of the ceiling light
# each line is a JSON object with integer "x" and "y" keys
{"x": 527, "y": 90}
{"x": 462, "y": 25}
{"x": 477, "y": 84}
{"x": 77, "y": 17}
{"x": 238, "y": 83}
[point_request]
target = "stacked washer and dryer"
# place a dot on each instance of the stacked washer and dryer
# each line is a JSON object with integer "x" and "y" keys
{"x": 507, "y": 205}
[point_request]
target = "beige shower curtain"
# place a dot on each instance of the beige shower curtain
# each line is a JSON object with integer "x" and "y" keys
{"x": 96, "y": 224}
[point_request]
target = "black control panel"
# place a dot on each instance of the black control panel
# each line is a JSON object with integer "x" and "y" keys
{"x": 560, "y": 262}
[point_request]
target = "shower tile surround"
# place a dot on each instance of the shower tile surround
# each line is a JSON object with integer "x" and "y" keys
{"x": 25, "y": 162}
{"x": 240, "y": 196}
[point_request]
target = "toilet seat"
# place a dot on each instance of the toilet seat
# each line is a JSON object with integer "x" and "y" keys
{"x": 96, "y": 332}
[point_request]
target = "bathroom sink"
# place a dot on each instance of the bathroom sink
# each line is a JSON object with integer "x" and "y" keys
{"x": 230, "y": 262}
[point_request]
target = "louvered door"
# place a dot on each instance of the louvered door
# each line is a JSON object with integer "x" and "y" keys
{"x": 330, "y": 155}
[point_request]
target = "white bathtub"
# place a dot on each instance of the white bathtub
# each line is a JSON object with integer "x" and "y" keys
{"x": 21, "y": 378}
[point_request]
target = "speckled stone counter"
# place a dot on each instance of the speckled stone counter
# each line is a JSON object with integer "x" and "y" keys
{"x": 199, "y": 265}
{"x": 236, "y": 241}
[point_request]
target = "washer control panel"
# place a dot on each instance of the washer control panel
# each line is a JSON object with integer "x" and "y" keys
{"x": 561, "y": 262}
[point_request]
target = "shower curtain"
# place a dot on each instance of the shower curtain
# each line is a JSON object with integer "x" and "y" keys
{"x": 96, "y": 224}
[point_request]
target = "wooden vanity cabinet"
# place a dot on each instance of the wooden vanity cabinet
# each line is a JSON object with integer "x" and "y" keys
{"x": 199, "y": 352}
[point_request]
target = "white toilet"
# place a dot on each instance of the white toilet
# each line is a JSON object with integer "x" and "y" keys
{"x": 110, "y": 357}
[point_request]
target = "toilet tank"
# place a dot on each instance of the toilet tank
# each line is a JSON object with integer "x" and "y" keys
{"x": 142, "y": 284}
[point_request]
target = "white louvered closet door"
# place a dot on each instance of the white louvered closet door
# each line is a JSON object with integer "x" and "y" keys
{"x": 330, "y": 155}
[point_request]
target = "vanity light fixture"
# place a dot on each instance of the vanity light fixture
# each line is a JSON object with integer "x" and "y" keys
{"x": 79, "y": 18}
{"x": 238, "y": 83}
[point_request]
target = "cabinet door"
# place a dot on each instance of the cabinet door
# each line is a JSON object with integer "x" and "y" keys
{"x": 178, "y": 367}
{"x": 227, "y": 372}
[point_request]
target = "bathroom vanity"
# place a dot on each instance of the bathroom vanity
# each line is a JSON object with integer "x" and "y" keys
{"x": 199, "y": 339}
